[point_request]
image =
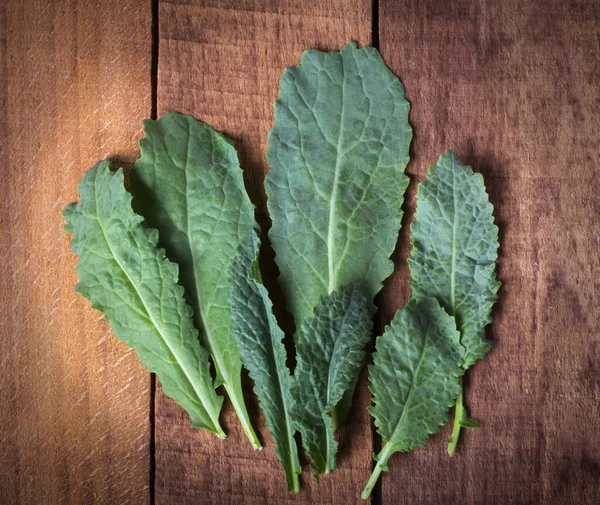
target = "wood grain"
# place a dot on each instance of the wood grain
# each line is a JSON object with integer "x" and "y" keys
{"x": 74, "y": 415}
{"x": 221, "y": 61}
{"x": 513, "y": 88}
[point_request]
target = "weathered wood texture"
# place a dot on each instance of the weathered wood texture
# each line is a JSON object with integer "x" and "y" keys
{"x": 221, "y": 61}
{"x": 74, "y": 403}
{"x": 513, "y": 87}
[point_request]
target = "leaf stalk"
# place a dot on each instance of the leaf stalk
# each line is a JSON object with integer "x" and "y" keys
{"x": 453, "y": 440}
{"x": 381, "y": 466}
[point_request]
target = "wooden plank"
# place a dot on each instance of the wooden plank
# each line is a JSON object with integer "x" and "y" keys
{"x": 513, "y": 87}
{"x": 74, "y": 86}
{"x": 221, "y": 61}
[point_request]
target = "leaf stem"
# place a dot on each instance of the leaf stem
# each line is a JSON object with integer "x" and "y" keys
{"x": 295, "y": 483}
{"x": 461, "y": 420}
{"x": 328, "y": 456}
{"x": 453, "y": 440}
{"x": 242, "y": 414}
{"x": 381, "y": 466}
{"x": 372, "y": 481}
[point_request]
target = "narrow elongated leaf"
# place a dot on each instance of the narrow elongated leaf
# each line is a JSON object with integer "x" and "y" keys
{"x": 329, "y": 354}
{"x": 126, "y": 277}
{"x": 414, "y": 378}
{"x": 455, "y": 247}
{"x": 260, "y": 341}
{"x": 337, "y": 154}
{"x": 188, "y": 185}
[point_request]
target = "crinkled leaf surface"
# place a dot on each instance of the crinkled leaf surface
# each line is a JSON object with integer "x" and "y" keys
{"x": 455, "y": 247}
{"x": 337, "y": 155}
{"x": 414, "y": 378}
{"x": 329, "y": 355}
{"x": 126, "y": 277}
{"x": 188, "y": 185}
{"x": 260, "y": 341}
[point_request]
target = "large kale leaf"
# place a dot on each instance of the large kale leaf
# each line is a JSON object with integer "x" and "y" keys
{"x": 188, "y": 185}
{"x": 126, "y": 277}
{"x": 337, "y": 155}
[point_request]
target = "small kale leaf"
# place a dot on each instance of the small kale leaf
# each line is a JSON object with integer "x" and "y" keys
{"x": 455, "y": 247}
{"x": 414, "y": 378}
{"x": 260, "y": 341}
{"x": 329, "y": 355}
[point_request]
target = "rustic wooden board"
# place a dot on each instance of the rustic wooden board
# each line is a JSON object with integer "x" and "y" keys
{"x": 221, "y": 61}
{"x": 513, "y": 87}
{"x": 74, "y": 415}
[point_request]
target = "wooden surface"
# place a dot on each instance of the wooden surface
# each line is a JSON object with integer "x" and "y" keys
{"x": 512, "y": 86}
{"x": 74, "y": 402}
{"x": 221, "y": 62}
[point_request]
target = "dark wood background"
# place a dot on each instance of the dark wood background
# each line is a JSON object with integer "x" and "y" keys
{"x": 513, "y": 86}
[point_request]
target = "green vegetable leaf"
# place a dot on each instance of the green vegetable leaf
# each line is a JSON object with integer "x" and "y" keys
{"x": 189, "y": 186}
{"x": 455, "y": 247}
{"x": 260, "y": 341}
{"x": 330, "y": 353}
{"x": 337, "y": 154}
{"x": 414, "y": 378}
{"x": 127, "y": 278}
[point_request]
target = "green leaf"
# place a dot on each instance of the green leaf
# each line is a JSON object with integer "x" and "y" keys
{"x": 337, "y": 154}
{"x": 329, "y": 355}
{"x": 189, "y": 186}
{"x": 455, "y": 247}
{"x": 414, "y": 378}
{"x": 126, "y": 277}
{"x": 260, "y": 341}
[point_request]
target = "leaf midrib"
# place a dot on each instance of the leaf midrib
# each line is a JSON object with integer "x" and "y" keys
{"x": 453, "y": 264}
{"x": 412, "y": 390}
{"x": 288, "y": 420}
{"x": 188, "y": 233}
{"x": 216, "y": 355}
{"x": 332, "y": 201}
{"x": 327, "y": 432}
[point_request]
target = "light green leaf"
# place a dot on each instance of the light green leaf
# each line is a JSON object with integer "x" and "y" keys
{"x": 127, "y": 278}
{"x": 337, "y": 154}
{"x": 189, "y": 186}
{"x": 329, "y": 355}
{"x": 414, "y": 378}
{"x": 455, "y": 247}
{"x": 260, "y": 341}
